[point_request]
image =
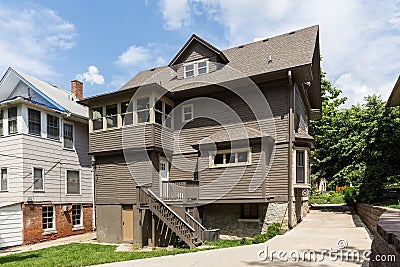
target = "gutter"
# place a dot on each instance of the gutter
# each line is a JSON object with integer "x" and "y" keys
{"x": 290, "y": 163}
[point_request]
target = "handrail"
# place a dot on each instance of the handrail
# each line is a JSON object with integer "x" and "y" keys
{"x": 195, "y": 221}
{"x": 169, "y": 209}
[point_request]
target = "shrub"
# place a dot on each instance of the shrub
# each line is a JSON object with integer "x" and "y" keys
{"x": 273, "y": 230}
{"x": 350, "y": 195}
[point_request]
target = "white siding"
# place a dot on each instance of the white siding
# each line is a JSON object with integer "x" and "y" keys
{"x": 10, "y": 226}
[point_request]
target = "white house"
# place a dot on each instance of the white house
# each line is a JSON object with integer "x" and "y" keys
{"x": 46, "y": 188}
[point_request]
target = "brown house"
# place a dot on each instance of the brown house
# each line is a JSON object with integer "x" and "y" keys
{"x": 216, "y": 139}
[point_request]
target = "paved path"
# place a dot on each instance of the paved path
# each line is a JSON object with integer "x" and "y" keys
{"x": 320, "y": 230}
{"x": 88, "y": 237}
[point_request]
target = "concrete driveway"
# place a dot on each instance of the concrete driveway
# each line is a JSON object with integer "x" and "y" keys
{"x": 328, "y": 228}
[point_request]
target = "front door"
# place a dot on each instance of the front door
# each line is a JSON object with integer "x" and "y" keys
{"x": 164, "y": 176}
{"x": 127, "y": 223}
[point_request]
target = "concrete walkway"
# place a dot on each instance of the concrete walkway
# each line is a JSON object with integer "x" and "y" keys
{"x": 86, "y": 238}
{"x": 319, "y": 231}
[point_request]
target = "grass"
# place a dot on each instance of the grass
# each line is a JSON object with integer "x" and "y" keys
{"x": 81, "y": 254}
{"x": 77, "y": 254}
{"x": 328, "y": 198}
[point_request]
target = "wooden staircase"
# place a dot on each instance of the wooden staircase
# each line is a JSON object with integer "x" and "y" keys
{"x": 189, "y": 231}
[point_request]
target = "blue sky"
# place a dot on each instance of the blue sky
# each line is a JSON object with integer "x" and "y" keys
{"x": 104, "y": 43}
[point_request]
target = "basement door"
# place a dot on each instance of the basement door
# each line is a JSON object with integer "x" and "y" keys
{"x": 127, "y": 223}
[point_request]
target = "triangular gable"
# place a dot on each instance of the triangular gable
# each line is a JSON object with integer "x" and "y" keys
{"x": 10, "y": 86}
{"x": 194, "y": 39}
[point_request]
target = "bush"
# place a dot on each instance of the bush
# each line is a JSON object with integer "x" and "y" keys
{"x": 273, "y": 230}
{"x": 350, "y": 195}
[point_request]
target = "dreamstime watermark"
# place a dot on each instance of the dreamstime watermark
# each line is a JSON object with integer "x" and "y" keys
{"x": 331, "y": 254}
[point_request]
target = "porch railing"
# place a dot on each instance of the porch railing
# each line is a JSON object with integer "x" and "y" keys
{"x": 185, "y": 191}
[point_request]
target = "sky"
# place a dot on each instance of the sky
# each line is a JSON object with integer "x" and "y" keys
{"x": 105, "y": 43}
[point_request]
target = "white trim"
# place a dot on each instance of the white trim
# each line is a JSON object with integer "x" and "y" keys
{"x": 33, "y": 179}
{"x": 183, "y": 112}
{"x": 66, "y": 183}
{"x": 212, "y": 154}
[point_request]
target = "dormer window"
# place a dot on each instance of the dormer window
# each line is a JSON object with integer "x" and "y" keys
{"x": 196, "y": 68}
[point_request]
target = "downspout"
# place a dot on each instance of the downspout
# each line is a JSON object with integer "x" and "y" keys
{"x": 93, "y": 171}
{"x": 290, "y": 157}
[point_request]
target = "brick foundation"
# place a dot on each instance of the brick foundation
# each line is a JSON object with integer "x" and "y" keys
{"x": 32, "y": 222}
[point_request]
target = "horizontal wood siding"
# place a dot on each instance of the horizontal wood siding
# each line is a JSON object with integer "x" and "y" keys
{"x": 10, "y": 226}
{"x": 138, "y": 136}
{"x": 278, "y": 175}
{"x": 230, "y": 183}
{"x": 163, "y": 137}
{"x": 183, "y": 166}
{"x": 49, "y": 155}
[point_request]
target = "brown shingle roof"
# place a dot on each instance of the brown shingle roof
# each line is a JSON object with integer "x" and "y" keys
{"x": 287, "y": 51}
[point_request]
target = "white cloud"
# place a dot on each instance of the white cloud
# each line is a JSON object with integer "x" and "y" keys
{"x": 133, "y": 56}
{"x": 359, "y": 40}
{"x": 31, "y": 38}
{"x": 92, "y": 76}
{"x": 176, "y": 13}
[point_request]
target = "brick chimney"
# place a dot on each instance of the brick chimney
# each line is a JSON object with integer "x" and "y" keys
{"x": 77, "y": 89}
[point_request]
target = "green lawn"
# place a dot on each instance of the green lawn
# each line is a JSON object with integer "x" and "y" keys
{"x": 328, "y": 198}
{"x": 77, "y": 254}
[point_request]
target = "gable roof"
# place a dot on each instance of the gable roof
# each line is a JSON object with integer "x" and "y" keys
{"x": 394, "y": 98}
{"x": 286, "y": 51}
{"x": 192, "y": 39}
{"x": 61, "y": 100}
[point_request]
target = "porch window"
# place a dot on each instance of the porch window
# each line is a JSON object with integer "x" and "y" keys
{"x": 300, "y": 169}
{"x": 38, "y": 179}
{"x": 111, "y": 115}
{"x": 73, "y": 182}
{"x": 126, "y": 113}
{"x": 249, "y": 211}
{"x": 34, "y": 121}
{"x": 162, "y": 113}
{"x": 4, "y": 179}
{"x": 12, "y": 120}
{"x": 48, "y": 218}
{"x": 53, "y": 127}
{"x": 143, "y": 109}
{"x": 97, "y": 118}
{"x": 168, "y": 116}
{"x": 77, "y": 215}
{"x": 227, "y": 158}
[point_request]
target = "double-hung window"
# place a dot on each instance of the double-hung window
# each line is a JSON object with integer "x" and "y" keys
{"x": 111, "y": 115}
{"x": 48, "y": 218}
{"x": 162, "y": 113}
{"x": 34, "y": 121}
{"x": 68, "y": 135}
{"x": 168, "y": 116}
{"x": 195, "y": 68}
{"x": 158, "y": 109}
{"x": 249, "y": 211}
{"x": 12, "y": 120}
{"x": 143, "y": 109}
{"x": 77, "y": 215}
{"x": 38, "y": 179}
{"x": 73, "y": 182}
{"x": 4, "y": 179}
{"x": 97, "y": 118}
{"x": 53, "y": 127}
{"x": 187, "y": 113}
{"x": 1, "y": 123}
{"x": 300, "y": 166}
{"x": 127, "y": 113}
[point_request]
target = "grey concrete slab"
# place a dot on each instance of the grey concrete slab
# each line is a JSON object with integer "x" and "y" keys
{"x": 319, "y": 231}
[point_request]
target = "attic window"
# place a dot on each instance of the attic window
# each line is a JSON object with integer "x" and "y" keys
{"x": 292, "y": 32}
{"x": 240, "y": 46}
{"x": 265, "y": 40}
{"x": 196, "y": 68}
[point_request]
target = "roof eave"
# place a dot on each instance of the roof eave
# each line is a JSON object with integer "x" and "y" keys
{"x": 394, "y": 98}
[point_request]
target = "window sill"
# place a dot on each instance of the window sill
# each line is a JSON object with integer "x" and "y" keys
{"x": 38, "y": 191}
{"x": 229, "y": 165}
{"x": 49, "y": 232}
{"x": 301, "y": 185}
{"x": 78, "y": 228}
{"x": 4, "y": 191}
{"x": 69, "y": 149}
{"x": 250, "y": 220}
{"x": 73, "y": 195}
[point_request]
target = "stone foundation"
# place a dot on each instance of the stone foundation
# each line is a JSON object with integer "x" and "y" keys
{"x": 32, "y": 223}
